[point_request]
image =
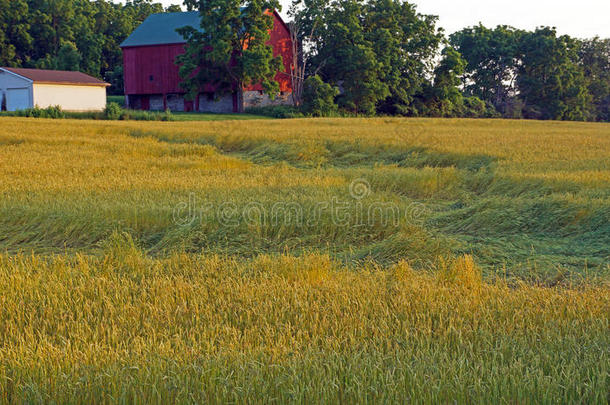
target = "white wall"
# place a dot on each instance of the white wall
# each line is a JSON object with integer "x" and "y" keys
{"x": 70, "y": 97}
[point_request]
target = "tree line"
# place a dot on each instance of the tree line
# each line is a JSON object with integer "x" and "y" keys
{"x": 386, "y": 58}
{"x": 355, "y": 56}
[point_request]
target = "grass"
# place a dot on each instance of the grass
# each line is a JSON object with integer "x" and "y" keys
{"x": 120, "y": 100}
{"x": 139, "y": 115}
{"x": 328, "y": 260}
{"x": 193, "y": 116}
{"x": 127, "y": 115}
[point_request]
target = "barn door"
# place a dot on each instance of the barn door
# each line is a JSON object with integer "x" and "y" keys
{"x": 17, "y": 99}
{"x": 145, "y": 103}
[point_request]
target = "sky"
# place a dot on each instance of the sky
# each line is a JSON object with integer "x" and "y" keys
{"x": 582, "y": 18}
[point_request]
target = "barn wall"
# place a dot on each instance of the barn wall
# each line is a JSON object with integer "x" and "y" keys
{"x": 70, "y": 97}
{"x": 17, "y": 91}
{"x": 175, "y": 102}
{"x": 155, "y": 102}
{"x": 256, "y": 99}
{"x": 222, "y": 104}
{"x": 279, "y": 37}
{"x": 151, "y": 69}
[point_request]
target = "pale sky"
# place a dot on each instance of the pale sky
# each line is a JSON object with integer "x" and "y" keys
{"x": 581, "y": 18}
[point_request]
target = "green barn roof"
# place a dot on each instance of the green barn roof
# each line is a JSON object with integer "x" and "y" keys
{"x": 160, "y": 29}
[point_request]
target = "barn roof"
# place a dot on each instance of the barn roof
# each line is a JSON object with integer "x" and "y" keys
{"x": 56, "y": 76}
{"x": 160, "y": 29}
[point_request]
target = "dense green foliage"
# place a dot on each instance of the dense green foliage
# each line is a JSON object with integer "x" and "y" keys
{"x": 550, "y": 81}
{"x": 536, "y": 74}
{"x": 383, "y": 55}
{"x": 594, "y": 55}
{"x": 318, "y": 97}
{"x": 112, "y": 112}
{"x": 53, "y": 112}
{"x": 491, "y": 70}
{"x": 377, "y": 52}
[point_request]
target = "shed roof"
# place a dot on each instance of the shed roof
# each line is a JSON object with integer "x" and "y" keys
{"x": 160, "y": 29}
{"x": 56, "y": 76}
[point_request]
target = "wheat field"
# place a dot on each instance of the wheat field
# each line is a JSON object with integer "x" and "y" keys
{"x": 326, "y": 260}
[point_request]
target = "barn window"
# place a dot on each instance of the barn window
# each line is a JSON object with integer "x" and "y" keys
{"x": 151, "y": 78}
{"x": 260, "y": 92}
{"x": 3, "y": 103}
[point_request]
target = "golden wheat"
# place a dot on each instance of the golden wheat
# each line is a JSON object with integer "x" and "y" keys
{"x": 492, "y": 287}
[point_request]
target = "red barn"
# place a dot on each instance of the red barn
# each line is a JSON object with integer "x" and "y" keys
{"x": 151, "y": 76}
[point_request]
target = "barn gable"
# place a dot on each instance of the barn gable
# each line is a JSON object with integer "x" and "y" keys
{"x": 12, "y": 80}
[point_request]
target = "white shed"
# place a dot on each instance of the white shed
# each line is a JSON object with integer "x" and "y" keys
{"x": 72, "y": 91}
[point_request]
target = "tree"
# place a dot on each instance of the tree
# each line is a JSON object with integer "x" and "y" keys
{"x": 594, "y": 55}
{"x": 88, "y": 41}
{"x": 443, "y": 97}
{"x": 140, "y": 9}
{"x": 551, "y": 82}
{"x": 230, "y": 50}
{"x": 342, "y": 55}
{"x": 307, "y": 19}
{"x": 7, "y": 49}
{"x": 115, "y": 78}
{"x": 348, "y": 57}
{"x": 319, "y": 97}
{"x": 378, "y": 52}
{"x": 173, "y": 9}
{"x": 405, "y": 44}
{"x": 15, "y": 40}
{"x": 447, "y": 75}
{"x": 493, "y": 59}
{"x": 68, "y": 57}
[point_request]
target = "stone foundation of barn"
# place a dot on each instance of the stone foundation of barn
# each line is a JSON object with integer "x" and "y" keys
{"x": 206, "y": 102}
{"x": 260, "y": 99}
